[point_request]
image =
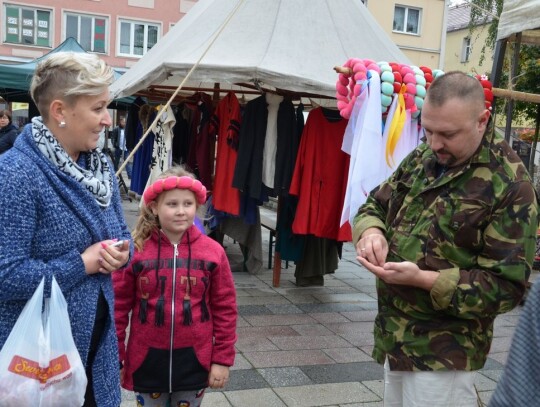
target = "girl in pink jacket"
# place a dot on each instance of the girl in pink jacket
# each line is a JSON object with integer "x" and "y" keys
{"x": 180, "y": 292}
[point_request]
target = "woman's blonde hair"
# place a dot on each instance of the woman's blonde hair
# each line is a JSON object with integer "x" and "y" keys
{"x": 147, "y": 221}
{"x": 67, "y": 75}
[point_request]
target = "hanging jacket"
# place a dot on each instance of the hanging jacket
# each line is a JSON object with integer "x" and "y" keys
{"x": 175, "y": 337}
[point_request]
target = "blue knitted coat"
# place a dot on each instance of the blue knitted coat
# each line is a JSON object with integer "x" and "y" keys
{"x": 47, "y": 219}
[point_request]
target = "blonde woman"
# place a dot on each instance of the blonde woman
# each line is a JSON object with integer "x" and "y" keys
{"x": 61, "y": 213}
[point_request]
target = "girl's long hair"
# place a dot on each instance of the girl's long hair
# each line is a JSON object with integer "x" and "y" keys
{"x": 147, "y": 222}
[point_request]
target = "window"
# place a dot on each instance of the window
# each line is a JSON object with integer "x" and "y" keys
{"x": 406, "y": 20}
{"x": 136, "y": 38}
{"x": 466, "y": 49}
{"x": 27, "y": 25}
{"x": 89, "y": 31}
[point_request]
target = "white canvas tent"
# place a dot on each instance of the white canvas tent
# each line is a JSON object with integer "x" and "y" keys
{"x": 520, "y": 16}
{"x": 285, "y": 44}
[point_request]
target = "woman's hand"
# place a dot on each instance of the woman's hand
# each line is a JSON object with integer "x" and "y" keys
{"x": 104, "y": 257}
{"x": 218, "y": 377}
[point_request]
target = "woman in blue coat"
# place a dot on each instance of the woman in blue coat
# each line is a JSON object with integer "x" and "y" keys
{"x": 61, "y": 212}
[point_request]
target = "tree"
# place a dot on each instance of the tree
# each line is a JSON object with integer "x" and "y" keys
{"x": 528, "y": 69}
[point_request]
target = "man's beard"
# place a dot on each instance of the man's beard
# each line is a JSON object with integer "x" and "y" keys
{"x": 448, "y": 160}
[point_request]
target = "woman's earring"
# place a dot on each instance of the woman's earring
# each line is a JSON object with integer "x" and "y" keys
{"x": 62, "y": 124}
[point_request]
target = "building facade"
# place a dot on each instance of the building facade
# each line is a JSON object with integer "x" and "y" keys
{"x": 417, "y": 27}
{"x": 464, "y": 44}
{"x": 120, "y": 31}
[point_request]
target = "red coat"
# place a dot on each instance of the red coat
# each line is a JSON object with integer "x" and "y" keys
{"x": 226, "y": 123}
{"x": 151, "y": 348}
{"x": 320, "y": 179}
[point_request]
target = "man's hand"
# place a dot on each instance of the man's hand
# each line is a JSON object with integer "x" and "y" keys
{"x": 372, "y": 246}
{"x": 403, "y": 273}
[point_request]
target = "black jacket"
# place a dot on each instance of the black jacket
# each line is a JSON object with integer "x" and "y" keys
{"x": 8, "y": 135}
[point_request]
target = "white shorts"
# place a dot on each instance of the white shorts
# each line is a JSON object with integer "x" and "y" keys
{"x": 429, "y": 389}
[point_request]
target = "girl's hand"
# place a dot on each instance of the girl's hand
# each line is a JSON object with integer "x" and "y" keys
{"x": 218, "y": 377}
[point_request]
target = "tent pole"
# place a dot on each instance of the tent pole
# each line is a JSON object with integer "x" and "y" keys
{"x": 276, "y": 272}
{"x": 511, "y": 84}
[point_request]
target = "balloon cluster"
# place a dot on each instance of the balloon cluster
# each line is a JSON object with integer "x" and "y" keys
{"x": 409, "y": 81}
{"x": 350, "y": 83}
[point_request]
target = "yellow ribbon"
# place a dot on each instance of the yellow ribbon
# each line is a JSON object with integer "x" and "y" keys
{"x": 396, "y": 127}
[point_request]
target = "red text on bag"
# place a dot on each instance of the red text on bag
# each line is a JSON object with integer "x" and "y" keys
{"x": 31, "y": 369}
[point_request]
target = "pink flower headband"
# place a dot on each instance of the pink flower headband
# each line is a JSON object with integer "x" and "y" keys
{"x": 183, "y": 182}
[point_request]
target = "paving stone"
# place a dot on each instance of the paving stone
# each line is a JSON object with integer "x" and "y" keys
{"x": 318, "y": 395}
{"x": 483, "y": 383}
{"x": 246, "y": 310}
{"x": 325, "y": 317}
{"x": 265, "y": 331}
{"x": 284, "y": 309}
{"x": 312, "y": 330}
{"x": 245, "y": 379}
{"x": 376, "y": 386}
{"x": 241, "y": 321}
{"x": 302, "y": 299}
{"x": 309, "y": 342}
{"x": 351, "y": 298}
{"x": 360, "y": 339}
{"x": 344, "y": 372}
{"x": 287, "y": 358}
{"x": 500, "y": 357}
{"x": 240, "y": 362}
{"x": 260, "y": 291}
{"x": 493, "y": 364}
{"x": 500, "y": 344}
{"x": 348, "y": 328}
{"x": 331, "y": 307}
{"x": 494, "y": 375}
{"x": 214, "y": 399}
{"x": 272, "y": 299}
{"x": 485, "y": 396}
{"x": 245, "y": 344}
{"x": 269, "y": 320}
{"x": 347, "y": 355}
{"x": 359, "y": 316}
{"x": 284, "y": 376}
{"x": 370, "y": 305}
{"x": 254, "y": 398}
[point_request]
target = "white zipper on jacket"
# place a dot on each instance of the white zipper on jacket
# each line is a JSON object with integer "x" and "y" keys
{"x": 172, "y": 316}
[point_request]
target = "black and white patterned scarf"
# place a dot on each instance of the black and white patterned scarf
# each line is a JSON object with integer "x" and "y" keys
{"x": 97, "y": 179}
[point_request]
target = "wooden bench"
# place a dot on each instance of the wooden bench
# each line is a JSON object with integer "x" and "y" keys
{"x": 270, "y": 224}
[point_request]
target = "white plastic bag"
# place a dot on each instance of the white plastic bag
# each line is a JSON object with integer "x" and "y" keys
{"x": 39, "y": 363}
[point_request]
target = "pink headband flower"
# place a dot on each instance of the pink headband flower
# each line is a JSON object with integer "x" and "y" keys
{"x": 183, "y": 182}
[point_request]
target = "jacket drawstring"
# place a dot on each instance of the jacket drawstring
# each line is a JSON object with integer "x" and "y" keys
{"x": 187, "y": 299}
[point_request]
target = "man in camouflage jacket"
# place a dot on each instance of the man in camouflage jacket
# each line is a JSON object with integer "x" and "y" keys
{"x": 450, "y": 236}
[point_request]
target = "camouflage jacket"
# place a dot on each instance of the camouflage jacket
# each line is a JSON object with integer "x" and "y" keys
{"x": 476, "y": 225}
